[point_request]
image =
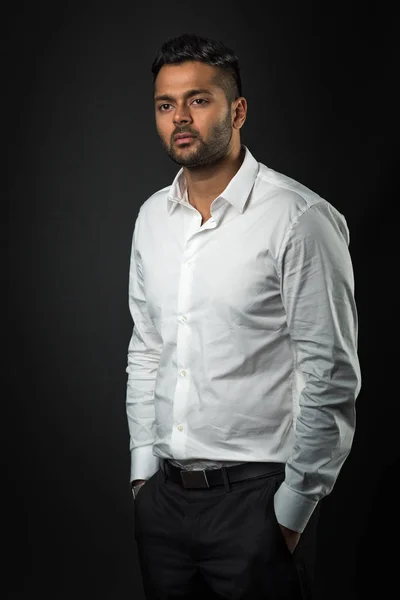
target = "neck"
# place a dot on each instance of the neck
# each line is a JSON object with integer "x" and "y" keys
{"x": 205, "y": 184}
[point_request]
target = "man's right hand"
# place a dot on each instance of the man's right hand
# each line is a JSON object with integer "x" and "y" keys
{"x": 138, "y": 481}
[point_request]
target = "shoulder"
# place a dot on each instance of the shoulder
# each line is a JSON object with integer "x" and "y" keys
{"x": 290, "y": 194}
{"x": 300, "y": 208}
{"x": 154, "y": 202}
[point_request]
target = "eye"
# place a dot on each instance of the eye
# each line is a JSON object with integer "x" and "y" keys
{"x": 202, "y": 100}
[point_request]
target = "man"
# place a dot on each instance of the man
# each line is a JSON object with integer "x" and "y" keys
{"x": 242, "y": 366}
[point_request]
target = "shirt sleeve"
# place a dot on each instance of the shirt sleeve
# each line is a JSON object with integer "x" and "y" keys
{"x": 144, "y": 354}
{"x": 317, "y": 288}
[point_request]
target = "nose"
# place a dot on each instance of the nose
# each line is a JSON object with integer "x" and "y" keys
{"x": 182, "y": 116}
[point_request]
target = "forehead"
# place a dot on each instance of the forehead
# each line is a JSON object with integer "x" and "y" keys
{"x": 176, "y": 79}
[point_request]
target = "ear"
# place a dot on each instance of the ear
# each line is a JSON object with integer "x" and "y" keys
{"x": 240, "y": 112}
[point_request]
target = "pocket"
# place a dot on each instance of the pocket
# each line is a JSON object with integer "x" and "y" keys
{"x": 279, "y": 533}
{"x": 139, "y": 491}
{"x": 143, "y": 505}
{"x": 145, "y": 485}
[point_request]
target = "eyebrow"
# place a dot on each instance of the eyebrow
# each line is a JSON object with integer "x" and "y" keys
{"x": 188, "y": 94}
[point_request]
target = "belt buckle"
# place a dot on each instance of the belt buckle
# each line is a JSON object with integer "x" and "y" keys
{"x": 194, "y": 479}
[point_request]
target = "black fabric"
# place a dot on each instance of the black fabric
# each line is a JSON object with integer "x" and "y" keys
{"x": 219, "y": 542}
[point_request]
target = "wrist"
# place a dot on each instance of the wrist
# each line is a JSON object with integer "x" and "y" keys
{"x": 137, "y": 487}
{"x": 138, "y": 482}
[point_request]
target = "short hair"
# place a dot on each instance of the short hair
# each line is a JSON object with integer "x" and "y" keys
{"x": 192, "y": 47}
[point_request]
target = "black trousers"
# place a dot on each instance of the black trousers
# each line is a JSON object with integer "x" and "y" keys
{"x": 218, "y": 543}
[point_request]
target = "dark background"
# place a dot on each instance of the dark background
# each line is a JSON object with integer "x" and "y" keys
{"x": 83, "y": 155}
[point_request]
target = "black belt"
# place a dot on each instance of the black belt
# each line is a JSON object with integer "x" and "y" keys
{"x": 206, "y": 478}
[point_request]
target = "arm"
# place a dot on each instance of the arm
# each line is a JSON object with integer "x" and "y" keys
{"x": 317, "y": 288}
{"x": 144, "y": 353}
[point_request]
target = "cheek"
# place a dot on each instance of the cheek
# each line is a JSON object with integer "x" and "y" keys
{"x": 160, "y": 123}
{"x": 163, "y": 134}
{"x": 164, "y": 130}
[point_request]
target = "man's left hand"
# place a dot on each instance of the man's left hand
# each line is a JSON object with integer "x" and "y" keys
{"x": 291, "y": 537}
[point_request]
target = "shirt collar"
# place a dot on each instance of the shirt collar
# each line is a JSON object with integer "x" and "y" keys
{"x": 236, "y": 192}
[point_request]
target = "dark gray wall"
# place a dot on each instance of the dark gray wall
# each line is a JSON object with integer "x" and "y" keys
{"x": 83, "y": 155}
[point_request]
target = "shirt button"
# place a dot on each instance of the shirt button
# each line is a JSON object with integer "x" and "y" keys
{"x": 180, "y": 428}
{"x": 189, "y": 264}
{"x": 183, "y": 373}
{"x": 184, "y": 318}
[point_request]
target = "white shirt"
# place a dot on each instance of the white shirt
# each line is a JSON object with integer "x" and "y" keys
{"x": 244, "y": 346}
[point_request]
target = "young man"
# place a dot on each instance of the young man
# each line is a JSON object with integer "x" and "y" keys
{"x": 242, "y": 366}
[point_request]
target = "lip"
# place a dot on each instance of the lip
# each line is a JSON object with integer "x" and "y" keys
{"x": 184, "y": 139}
{"x": 183, "y": 135}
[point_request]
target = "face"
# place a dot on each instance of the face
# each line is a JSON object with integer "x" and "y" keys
{"x": 186, "y": 101}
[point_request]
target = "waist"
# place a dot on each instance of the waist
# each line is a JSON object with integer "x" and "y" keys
{"x": 207, "y": 478}
{"x": 200, "y": 464}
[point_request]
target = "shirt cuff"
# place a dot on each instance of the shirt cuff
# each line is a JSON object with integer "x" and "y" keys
{"x": 143, "y": 463}
{"x": 292, "y": 510}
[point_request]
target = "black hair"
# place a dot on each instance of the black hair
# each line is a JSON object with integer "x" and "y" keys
{"x": 192, "y": 47}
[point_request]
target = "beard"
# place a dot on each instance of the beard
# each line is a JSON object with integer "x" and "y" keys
{"x": 199, "y": 153}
